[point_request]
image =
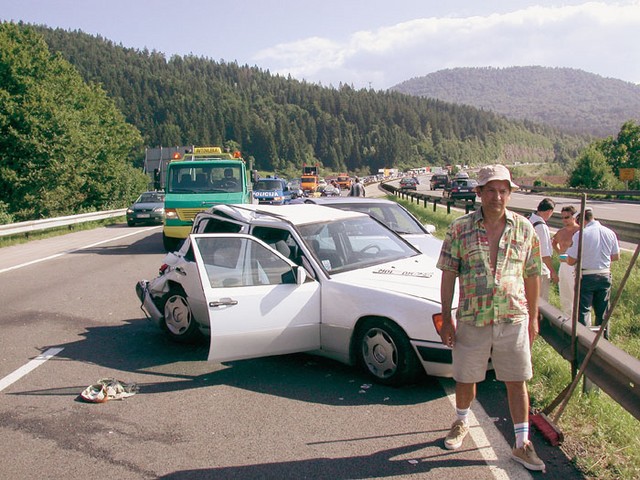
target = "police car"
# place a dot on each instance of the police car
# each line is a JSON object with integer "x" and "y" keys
{"x": 272, "y": 191}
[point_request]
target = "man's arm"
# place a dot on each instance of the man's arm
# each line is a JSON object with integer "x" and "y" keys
{"x": 531, "y": 292}
{"x": 447, "y": 289}
{"x": 552, "y": 273}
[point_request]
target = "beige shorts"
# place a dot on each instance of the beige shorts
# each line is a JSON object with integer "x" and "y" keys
{"x": 506, "y": 344}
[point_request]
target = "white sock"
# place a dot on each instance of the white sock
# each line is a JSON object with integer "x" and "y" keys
{"x": 463, "y": 415}
{"x": 522, "y": 433}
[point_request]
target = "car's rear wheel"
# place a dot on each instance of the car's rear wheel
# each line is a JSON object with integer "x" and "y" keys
{"x": 178, "y": 319}
{"x": 384, "y": 351}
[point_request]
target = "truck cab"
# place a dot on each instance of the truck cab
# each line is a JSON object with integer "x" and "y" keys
{"x": 197, "y": 180}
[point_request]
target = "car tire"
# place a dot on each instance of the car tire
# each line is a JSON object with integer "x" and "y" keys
{"x": 178, "y": 320}
{"x": 131, "y": 223}
{"x": 385, "y": 353}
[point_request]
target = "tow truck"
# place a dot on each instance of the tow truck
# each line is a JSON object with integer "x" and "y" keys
{"x": 195, "y": 181}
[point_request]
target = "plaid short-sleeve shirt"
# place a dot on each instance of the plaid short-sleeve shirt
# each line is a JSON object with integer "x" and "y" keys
{"x": 486, "y": 298}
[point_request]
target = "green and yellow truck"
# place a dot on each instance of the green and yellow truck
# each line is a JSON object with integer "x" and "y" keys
{"x": 195, "y": 181}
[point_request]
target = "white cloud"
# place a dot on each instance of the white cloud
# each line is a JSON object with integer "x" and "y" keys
{"x": 596, "y": 36}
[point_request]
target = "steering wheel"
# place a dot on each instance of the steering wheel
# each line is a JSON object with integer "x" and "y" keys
{"x": 372, "y": 246}
{"x": 229, "y": 184}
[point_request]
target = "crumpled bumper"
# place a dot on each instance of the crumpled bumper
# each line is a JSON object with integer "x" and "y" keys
{"x": 147, "y": 305}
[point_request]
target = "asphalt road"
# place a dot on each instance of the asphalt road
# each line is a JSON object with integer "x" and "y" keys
{"x": 294, "y": 416}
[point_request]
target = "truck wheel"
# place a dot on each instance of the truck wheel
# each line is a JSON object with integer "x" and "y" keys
{"x": 178, "y": 319}
{"x": 170, "y": 244}
{"x": 384, "y": 352}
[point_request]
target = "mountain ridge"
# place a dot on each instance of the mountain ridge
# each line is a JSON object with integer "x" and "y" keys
{"x": 570, "y": 99}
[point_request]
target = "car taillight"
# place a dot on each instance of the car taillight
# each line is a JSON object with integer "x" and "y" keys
{"x": 437, "y": 321}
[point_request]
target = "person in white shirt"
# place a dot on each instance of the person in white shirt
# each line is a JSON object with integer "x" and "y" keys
{"x": 539, "y": 220}
{"x": 599, "y": 247}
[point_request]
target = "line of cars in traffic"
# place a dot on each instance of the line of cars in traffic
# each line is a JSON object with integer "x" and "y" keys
{"x": 350, "y": 278}
{"x": 460, "y": 187}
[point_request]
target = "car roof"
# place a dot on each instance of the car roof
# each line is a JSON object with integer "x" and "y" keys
{"x": 301, "y": 214}
{"x": 347, "y": 200}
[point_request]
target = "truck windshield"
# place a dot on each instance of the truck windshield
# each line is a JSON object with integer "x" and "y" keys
{"x": 205, "y": 179}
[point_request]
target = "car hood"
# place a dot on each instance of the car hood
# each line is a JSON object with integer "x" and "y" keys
{"x": 146, "y": 206}
{"x": 427, "y": 244}
{"x": 416, "y": 276}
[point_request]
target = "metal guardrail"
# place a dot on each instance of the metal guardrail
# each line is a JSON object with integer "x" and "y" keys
{"x": 616, "y": 372}
{"x": 44, "y": 224}
{"x": 626, "y": 231}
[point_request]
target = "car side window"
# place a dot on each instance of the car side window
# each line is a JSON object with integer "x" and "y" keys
{"x": 241, "y": 262}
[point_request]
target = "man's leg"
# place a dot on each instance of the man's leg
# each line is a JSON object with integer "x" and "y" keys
{"x": 465, "y": 393}
{"x": 518, "y": 397}
{"x": 523, "y": 452}
{"x": 601, "y": 296}
{"x": 586, "y": 299}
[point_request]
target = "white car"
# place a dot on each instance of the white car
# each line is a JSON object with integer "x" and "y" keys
{"x": 262, "y": 280}
{"x": 391, "y": 214}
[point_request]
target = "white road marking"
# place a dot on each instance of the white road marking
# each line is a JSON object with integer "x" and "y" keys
{"x": 38, "y": 260}
{"x": 32, "y": 365}
{"x": 492, "y": 446}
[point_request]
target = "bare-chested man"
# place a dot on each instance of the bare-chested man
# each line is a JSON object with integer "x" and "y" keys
{"x": 560, "y": 242}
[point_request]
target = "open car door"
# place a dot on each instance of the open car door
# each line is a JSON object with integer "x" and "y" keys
{"x": 259, "y": 302}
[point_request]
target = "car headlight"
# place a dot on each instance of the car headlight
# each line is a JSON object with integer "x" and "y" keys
{"x": 158, "y": 210}
{"x": 129, "y": 210}
{"x": 171, "y": 213}
{"x": 278, "y": 199}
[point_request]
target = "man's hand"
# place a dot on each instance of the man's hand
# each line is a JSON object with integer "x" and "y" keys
{"x": 448, "y": 334}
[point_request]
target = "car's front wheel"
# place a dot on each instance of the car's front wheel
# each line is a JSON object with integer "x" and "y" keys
{"x": 384, "y": 351}
{"x": 178, "y": 319}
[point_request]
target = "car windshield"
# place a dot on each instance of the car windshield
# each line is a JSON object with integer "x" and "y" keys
{"x": 268, "y": 185}
{"x": 392, "y": 215}
{"x": 353, "y": 243}
{"x": 150, "y": 198}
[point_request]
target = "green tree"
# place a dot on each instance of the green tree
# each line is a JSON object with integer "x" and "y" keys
{"x": 64, "y": 146}
{"x": 593, "y": 171}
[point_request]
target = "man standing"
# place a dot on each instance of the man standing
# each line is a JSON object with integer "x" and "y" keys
{"x": 601, "y": 245}
{"x": 495, "y": 255}
{"x": 539, "y": 220}
{"x": 357, "y": 189}
{"x": 561, "y": 241}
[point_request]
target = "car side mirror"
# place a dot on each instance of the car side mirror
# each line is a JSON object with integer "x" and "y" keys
{"x": 301, "y": 275}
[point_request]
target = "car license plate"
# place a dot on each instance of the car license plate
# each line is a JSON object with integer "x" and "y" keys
{"x": 143, "y": 215}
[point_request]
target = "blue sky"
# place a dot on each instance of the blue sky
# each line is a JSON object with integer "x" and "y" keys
{"x": 364, "y": 43}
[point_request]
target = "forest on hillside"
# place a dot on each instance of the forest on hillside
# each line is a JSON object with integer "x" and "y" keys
{"x": 282, "y": 123}
{"x": 569, "y": 99}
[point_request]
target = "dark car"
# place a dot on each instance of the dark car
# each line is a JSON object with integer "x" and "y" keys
{"x": 148, "y": 208}
{"x": 461, "y": 189}
{"x": 409, "y": 183}
{"x": 439, "y": 180}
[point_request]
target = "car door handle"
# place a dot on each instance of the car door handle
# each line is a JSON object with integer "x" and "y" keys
{"x": 222, "y": 302}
